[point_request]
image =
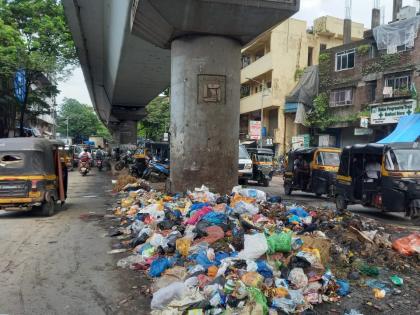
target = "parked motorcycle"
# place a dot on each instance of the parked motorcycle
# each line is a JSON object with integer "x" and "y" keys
{"x": 125, "y": 161}
{"x": 156, "y": 171}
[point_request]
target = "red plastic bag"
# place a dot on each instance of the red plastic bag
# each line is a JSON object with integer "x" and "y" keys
{"x": 408, "y": 245}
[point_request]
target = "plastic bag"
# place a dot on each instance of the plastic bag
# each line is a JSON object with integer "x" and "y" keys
{"x": 167, "y": 294}
{"x": 264, "y": 269}
{"x": 300, "y": 212}
{"x": 298, "y": 278}
{"x": 250, "y": 193}
{"x": 344, "y": 287}
{"x": 252, "y": 279}
{"x": 408, "y": 245}
{"x": 259, "y": 298}
{"x": 198, "y": 215}
{"x": 255, "y": 246}
{"x": 183, "y": 246}
{"x": 158, "y": 266}
{"x": 245, "y": 208}
{"x": 279, "y": 243}
{"x": 215, "y": 218}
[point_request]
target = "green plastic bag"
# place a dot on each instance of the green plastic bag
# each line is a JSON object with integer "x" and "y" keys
{"x": 257, "y": 296}
{"x": 279, "y": 243}
{"x": 397, "y": 280}
{"x": 368, "y": 270}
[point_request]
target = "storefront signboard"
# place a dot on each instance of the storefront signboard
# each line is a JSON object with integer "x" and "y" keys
{"x": 301, "y": 141}
{"x": 363, "y": 131}
{"x": 391, "y": 113}
{"x": 255, "y": 129}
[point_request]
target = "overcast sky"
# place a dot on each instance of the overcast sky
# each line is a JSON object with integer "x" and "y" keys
{"x": 309, "y": 10}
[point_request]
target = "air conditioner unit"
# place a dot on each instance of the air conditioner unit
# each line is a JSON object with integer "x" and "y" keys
{"x": 388, "y": 91}
{"x": 406, "y": 12}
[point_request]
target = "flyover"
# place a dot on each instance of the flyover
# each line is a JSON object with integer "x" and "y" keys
{"x": 131, "y": 50}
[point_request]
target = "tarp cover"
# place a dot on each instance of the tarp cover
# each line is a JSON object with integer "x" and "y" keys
{"x": 307, "y": 87}
{"x": 408, "y": 130}
{"x": 390, "y": 36}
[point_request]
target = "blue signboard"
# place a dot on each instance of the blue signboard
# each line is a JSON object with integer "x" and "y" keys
{"x": 20, "y": 85}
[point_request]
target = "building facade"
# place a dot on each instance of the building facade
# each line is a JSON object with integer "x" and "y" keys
{"x": 371, "y": 84}
{"x": 272, "y": 65}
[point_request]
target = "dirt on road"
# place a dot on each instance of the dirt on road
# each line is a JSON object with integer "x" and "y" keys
{"x": 60, "y": 265}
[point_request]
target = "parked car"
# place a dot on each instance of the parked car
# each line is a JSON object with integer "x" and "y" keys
{"x": 245, "y": 166}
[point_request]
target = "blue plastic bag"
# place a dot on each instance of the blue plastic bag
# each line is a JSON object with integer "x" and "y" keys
{"x": 159, "y": 266}
{"x": 201, "y": 259}
{"x": 344, "y": 288}
{"x": 197, "y": 206}
{"x": 264, "y": 269}
{"x": 215, "y": 218}
{"x": 294, "y": 218}
{"x": 300, "y": 212}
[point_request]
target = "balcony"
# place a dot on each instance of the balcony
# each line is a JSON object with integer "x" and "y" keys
{"x": 253, "y": 102}
{"x": 257, "y": 68}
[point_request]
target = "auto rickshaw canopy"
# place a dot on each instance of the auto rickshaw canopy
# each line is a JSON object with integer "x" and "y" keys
{"x": 27, "y": 156}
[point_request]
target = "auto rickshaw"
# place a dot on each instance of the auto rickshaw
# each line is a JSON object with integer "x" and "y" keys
{"x": 312, "y": 170}
{"x": 385, "y": 176}
{"x": 31, "y": 175}
{"x": 67, "y": 156}
{"x": 141, "y": 158}
{"x": 262, "y": 165}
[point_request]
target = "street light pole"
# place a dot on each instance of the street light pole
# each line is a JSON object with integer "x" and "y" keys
{"x": 67, "y": 136}
{"x": 262, "y": 108}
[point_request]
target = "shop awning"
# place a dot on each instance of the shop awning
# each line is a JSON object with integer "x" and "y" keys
{"x": 408, "y": 130}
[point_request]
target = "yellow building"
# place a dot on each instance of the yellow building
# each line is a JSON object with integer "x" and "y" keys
{"x": 272, "y": 64}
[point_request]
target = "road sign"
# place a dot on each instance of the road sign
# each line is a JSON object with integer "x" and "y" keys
{"x": 20, "y": 85}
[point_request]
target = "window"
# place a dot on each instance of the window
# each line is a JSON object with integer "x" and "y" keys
{"x": 371, "y": 91}
{"x": 345, "y": 60}
{"x": 322, "y": 47}
{"x": 11, "y": 161}
{"x": 402, "y": 82}
{"x": 402, "y": 160}
{"x": 310, "y": 54}
{"x": 328, "y": 158}
{"x": 341, "y": 97}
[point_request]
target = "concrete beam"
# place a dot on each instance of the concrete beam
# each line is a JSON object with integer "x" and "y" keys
{"x": 162, "y": 21}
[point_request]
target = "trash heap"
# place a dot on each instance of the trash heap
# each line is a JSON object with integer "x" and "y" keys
{"x": 237, "y": 254}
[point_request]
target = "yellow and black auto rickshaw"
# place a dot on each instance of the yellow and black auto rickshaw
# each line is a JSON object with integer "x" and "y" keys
{"x": 384, "y": 176}
{"x": 262, "y": 165}
{"x": 312, "y": 170}
{"x": 31, "y": 175}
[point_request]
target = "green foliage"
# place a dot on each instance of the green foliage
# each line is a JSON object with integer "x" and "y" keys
{"x": 83, "y": 122}
{"x": 35, "y": 37}
{"x": 324, "y": 57}
{"x": 157, "y": 120}
{"x": 382, "y": 63}
{"x": 298, "y": 74}
{"x": 322, "y": 116}
{"x": 363, "y": 50}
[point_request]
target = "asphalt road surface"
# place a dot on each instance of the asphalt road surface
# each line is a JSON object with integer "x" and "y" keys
{"x": 276, "y": 189}
{"x": 60, "y": 265}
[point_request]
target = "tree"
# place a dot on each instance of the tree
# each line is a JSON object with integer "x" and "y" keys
{"x": 82, "y": 121}
{"x": 157, "y": 120}
{"x": 44, "y": 47}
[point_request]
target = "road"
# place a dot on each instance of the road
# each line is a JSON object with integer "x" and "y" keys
{"x": 60, "y": 265}
{"x": 276, "y": 189}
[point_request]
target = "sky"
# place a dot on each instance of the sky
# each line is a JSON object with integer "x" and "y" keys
{"x": 75, "y": 86}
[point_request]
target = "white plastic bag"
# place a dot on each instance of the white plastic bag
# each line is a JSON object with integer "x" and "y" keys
{"x": 245, "y": 208}
{"x": 167, "y": 294}
{"x": 259, "y": 195}
{"x": 255, "y": 246}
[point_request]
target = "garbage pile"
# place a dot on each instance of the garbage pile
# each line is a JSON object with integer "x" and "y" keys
{"x": 244, "y": 253}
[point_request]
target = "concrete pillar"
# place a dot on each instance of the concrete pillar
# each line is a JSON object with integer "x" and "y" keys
{"x": 347, "y": 31}
{"x": 205, "y": 98}
{"x": 396, "y": 9}
{"x": 376, "y": 18}
{"x": 128, "y": 132}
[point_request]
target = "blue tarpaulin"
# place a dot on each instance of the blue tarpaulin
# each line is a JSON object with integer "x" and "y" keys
{"x": 408, "y": 130}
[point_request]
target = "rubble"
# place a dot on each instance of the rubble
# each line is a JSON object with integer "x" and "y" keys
{"x": 241, "y": 254}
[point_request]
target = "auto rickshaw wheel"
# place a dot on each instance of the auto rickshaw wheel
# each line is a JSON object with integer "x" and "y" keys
{"x": 340, "y": 203}
{"x": 287, "y": 189}
{"x": 48, "y": 208}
